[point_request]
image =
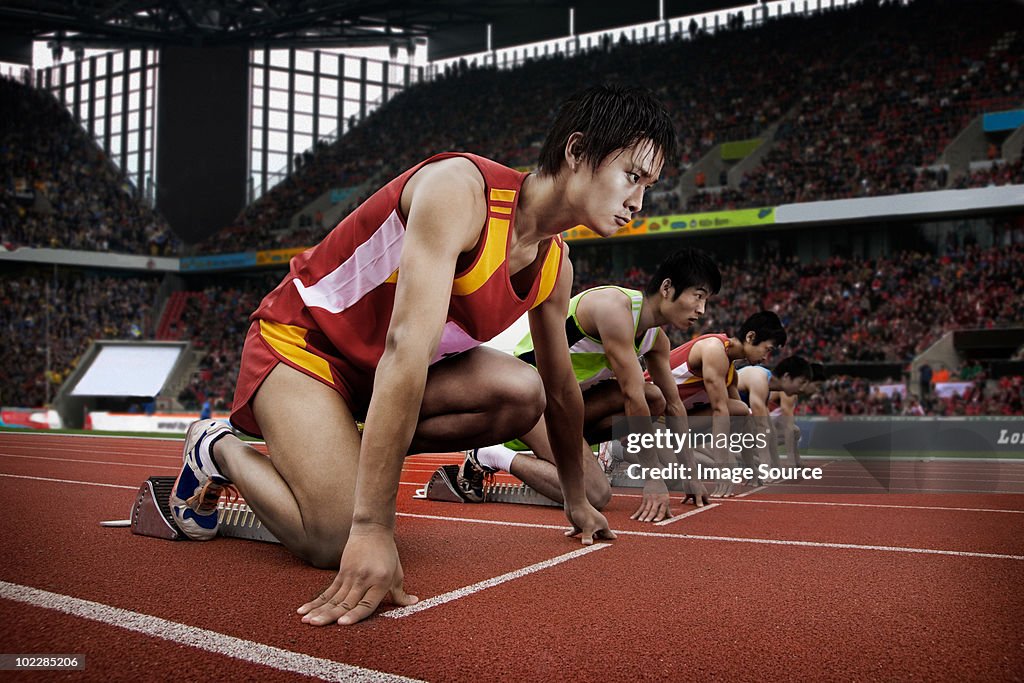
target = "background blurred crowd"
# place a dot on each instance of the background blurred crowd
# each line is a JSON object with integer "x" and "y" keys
{"x": 858, "y": 102}
{"x": 862, "y": 102}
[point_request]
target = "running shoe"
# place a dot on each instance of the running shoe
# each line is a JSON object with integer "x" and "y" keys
{"x": 199, "y": 486}
{"x": 471, "y": 478}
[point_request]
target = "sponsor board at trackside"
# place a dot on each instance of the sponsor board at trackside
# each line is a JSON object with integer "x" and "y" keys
{"x": 170, "y": 423}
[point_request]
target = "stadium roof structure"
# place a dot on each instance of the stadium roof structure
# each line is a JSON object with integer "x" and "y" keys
{"x": 457, "y": 26}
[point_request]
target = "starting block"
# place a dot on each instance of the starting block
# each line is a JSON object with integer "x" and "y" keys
{"x": 442, "y": 486}
{"x": 151, "y": 515}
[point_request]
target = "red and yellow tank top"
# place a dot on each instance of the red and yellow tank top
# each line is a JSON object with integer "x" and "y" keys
{"x": 341, "y": 292}
{"x": 688, "y": 381}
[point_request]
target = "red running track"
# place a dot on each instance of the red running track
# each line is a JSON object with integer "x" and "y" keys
{"x": 773, "y": 585}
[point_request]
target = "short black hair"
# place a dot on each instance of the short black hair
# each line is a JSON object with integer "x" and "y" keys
{"x": 794, "y": 366}
{"x": 686, "y": 268}
{"x": 610, "y": 118}
{"x": 766, "y": 326}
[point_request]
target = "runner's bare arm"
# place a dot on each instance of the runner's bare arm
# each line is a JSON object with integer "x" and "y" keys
{"x": 446, "y": 210}
{"x": 563, "y": 414}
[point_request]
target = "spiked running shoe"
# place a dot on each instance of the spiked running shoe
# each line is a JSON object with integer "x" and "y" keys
{"x": 471, "y": 478}
{"x": 198, "y": 487}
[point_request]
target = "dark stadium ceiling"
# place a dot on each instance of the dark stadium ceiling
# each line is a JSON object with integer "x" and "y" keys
{"x": 338, "y": 23}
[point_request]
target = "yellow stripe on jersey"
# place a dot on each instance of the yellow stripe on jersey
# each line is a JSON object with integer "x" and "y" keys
{"x": 290, "y": 342}
{"x": 502, "y": 195}
{"x": 501, "y": 209}
{"x": 492, "y": 255}
{"x": 393, "y": 278}
{"x": 548, "y": 272}
{"x": 729, "y": 376}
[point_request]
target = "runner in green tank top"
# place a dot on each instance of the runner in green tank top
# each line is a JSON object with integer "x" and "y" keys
{"x": 609, "y": 329}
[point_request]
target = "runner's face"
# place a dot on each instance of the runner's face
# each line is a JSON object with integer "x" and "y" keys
{"x": 759, "y": 353}
{"x": 615, "y": 189}
{"x": 793, "y": 386}
{"x": 687, "y": 308}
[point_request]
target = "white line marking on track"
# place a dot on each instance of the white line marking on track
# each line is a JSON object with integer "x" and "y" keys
{"x": 747, "y": 493}
{"x": 400, "y": 612}
{"x": 199, "y": 638}
{"x": 122, "y": 486}
{"x": 875, "y": 487}
{"x": 879, "y": 505}
{"x": 69, "y": 481}
{"x": 90, "y": 462}
{"x": 734, "y": 539}
{"x": 691, "y": 513}
{"x": 529, "y": 525}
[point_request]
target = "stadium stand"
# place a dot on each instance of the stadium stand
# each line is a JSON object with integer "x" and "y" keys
{"x": 60, "y": 191}
{"x": 68, "y": 311}
{"x": 871, "y": 113}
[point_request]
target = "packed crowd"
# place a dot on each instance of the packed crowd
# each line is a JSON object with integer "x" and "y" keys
{"x": 221, "y": 343}
{"x": 840, "y": 310}
{"x": 58, "y": 188}
{"x": 847, "y": 309}
{"x": 54, "y": 319}
{"x": 858, "y": 396}
{"x": 872, "y": 124}
{"x": 887, "y": 88}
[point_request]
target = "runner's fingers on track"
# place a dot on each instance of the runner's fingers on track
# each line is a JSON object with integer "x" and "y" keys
{"x": 335, "y": 605}
{"x": 653, "y": 508}
{"x": 364, "y": 600}
{"x": 698, "y": 494}
{"x": 397, "y": 592}
{"x": 590, "y": 524}
{"x": 322, "y": 598}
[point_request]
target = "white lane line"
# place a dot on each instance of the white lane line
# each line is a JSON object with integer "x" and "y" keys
{"x": 734, "y": 539}
{"x": 871, "y": 486}
{"x": 90, "y": 462}
{"x": 199, "y": 638}
{"x": 691, "y": 513}
{"x": 498, "y": 522}
{"x": 755, "y": 490}
{"x": 905, "y": 476}
{"x": 69, "y": 481}
{"x": 879, "y": 505}
{"x": 115, "y": 485}
{"x": 623, "y": 533}
{"x": 465, "y": 591}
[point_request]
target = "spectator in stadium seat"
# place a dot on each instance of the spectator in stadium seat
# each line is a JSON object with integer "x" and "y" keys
{"x": 383, "y": 321}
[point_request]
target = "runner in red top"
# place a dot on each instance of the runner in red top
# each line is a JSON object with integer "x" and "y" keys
{"x": 706, "y": 378}
{"x": 383, "y": 321}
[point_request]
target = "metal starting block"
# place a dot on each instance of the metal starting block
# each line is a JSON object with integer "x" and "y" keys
{"x": 517, "y": 493}
{"x": 442, "y": 486}
{"x": 151, "y": 515}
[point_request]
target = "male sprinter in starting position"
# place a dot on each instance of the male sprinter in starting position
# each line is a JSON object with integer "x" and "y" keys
{"x": 758, "y": 387}
{"x": 383, "y": 322}
{"x": 706, "y": 378}
{"x": 609, "y": 329}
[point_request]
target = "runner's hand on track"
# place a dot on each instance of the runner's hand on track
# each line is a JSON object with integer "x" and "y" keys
{"x": 696, "y": 492}
{"x": 588, "y": 522}
{"x": 655, "y": 504}
{"x": 370, "y": 571}
{"x": 723, "y": 489}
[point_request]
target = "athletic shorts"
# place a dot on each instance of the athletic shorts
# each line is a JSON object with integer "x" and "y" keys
{"x": 268, "y": 344}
